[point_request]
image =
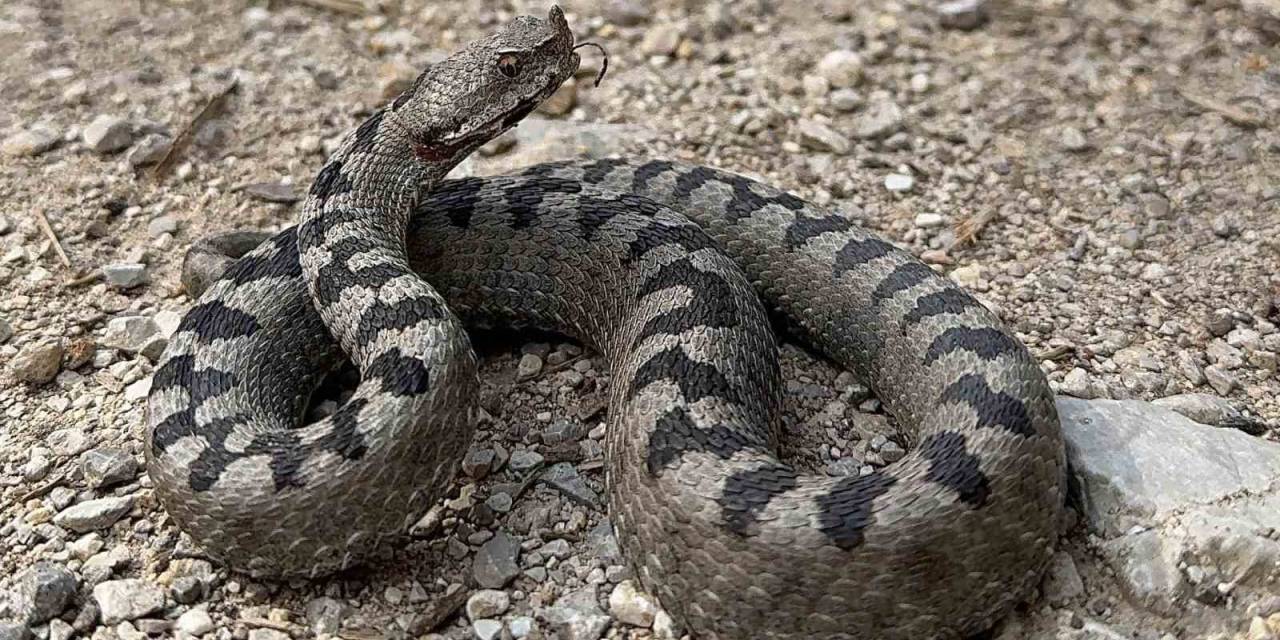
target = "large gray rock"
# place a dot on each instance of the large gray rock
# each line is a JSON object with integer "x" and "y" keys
{"x": 93, "y": 514}
{"x": 577, "y": 616}
{"x": 1139, "y": 464}
{"x": 495, "y": 563}
{"x": 130, "y": 599}
{"x": 1186, "y": 510}
{"x": 42, "y": 592}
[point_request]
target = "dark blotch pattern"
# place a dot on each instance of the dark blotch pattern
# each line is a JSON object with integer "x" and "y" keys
{"x": 597, "y": 171}
{"x": 214, "y": 320}
{"x": 458, "y": 198}
{"x": 994, "y": 409}
{"x": 747, "y": 493}
{"x": 745, "y": 200}
{"x": 846, "y": 511}
{"x": 987, "y": 343}
{"x": 697, "y": 380}
{"x": 859, "y": 251}
{"x": 674, "y": 435}
{"x": 282, "y": 262}
{"x": 401, "y": 314}
{"x": 946, "y": 301}
{"x": 400, "y": 375}
{"x": 367, "y": 133}
{"x": 648, "y": 171}
{"x": 711, "y": 302}
{"x": 903, "y": 277}
{"x": 329, "y": 182}
{"x": 804, "y": 229}
{"x": 952, "y": 466}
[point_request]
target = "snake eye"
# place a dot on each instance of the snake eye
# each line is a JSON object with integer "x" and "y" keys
{"x": 509, "y": 65}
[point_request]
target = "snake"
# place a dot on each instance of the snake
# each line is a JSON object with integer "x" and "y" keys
{"x": 677, "y": 275}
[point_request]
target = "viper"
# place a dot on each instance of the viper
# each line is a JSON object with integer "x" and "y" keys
{"x": 670, "y": 271}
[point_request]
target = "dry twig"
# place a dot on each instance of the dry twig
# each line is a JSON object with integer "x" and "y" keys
{"x": 178, "y": 147}
{"x": 341, "y": 6}
{"x": 1229, "y": 111}
{"x": 53, "y": 237}
{"x": 968, "y": 229}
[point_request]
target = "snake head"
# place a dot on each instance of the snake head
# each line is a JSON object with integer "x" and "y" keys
{"x": 486, "y": 88}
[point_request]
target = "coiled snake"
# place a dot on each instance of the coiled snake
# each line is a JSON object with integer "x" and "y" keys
{"x": 634, "y": 259}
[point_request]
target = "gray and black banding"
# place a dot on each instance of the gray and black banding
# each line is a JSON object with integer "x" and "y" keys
{"x": 675, "y": 435}
{"x": 804, "y": 229}
{"x": 859, "y": 251}
{"x": 903, "y": 277}
{"x": 847, "y": 511}
{"x": 697, "y": 380}
{"x": 951, "y": 300}
{"x": 952, "y": 466}
{"x": 987, "y": 343}
{"x": 630, "y": 257}
{"x": 214, "y": 320}
{"x": 748, "y": 492}
{"x": 993, "y": 408}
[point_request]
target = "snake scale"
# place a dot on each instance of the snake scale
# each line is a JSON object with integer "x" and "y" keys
{"x": 660, "y": 266}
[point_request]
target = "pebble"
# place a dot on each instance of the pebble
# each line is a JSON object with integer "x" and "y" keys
{"x": 500, "y": 502}
{"x": 96, "y": 514}
{"x": 42, "y": 592}
{"x": 325, "y": 615}
{"x": 524, "y": 460}
{"x": 107, "y": 134}
{"x": 882, "y": 118}
{"x": 577, "y": 616}
{"x": 68, "y": 442}
{"x": 14, "y": 631}
{"x": 1073, "y": 140}
{"x": 30, "y": 142}
{"x": 38, "y": 363}
{"x": 128, "y": 599}
{"x": 564, "y": 478}
{"x": 194, "y": 622}
{"x": 1062, "y": 584}
{"x": 487, "y": 603}
{"x": 486, "y": 629}
{"x": 1220, "y": 379}
{"x": 842, "y": 68}
{"x": 478, "y": 463}
{"x": 106, "y": 466}
{"x": 135, "y": 334}
{"x": 150, "y": 150}
{"x": 6, "y": 331}
{"x": 962, "y": 14}
{"x": 845, "y": 100}
{"x": 520, "y": 626}
{"x": 631, "y": 605}
{"x": 529, "y": 367}
{"x": 125, "y": 275}
{"x": 660, "y": 40}
{"x": 495, "y": 563}
{"x": 820, "y": 137}
{"x": 930, "y": 220}
{"x": 900, "y": 183}
{"x": 268, "y": 634}
{"x": 625, "y": 13}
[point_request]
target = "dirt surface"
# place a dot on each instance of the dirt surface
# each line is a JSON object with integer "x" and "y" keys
{"x": 1104, "y": 174}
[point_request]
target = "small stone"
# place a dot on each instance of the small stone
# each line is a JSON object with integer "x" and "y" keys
{"x": 14, "y": 631}
{"x": 820, "y": 137}
{"x": 529, "y": 367}
{"x": 194, "y": 622}
{"x": 882, "y": 118}
{"x": 1073, "y": 140}
{"x": 577, "y": 616}
{"x": 325, "y": 615}
{"x": 1258, "y": 630}
{"x": 486, "y": 629}
{"x": 495, "y": 563}
{"x": 665, "y": 628}
{"x": 129, "y": 599}
{"x": 478, "y": 463}
{"x": 487, "y": 603}
{"x": 1220, "y": 379}
{"x": 1076, "y": 383}
{"x": 135, "y": 334}
{"x": 842, "y": 68}
{"x": 150, "y": 150}
{"x": 38, "y": 363}
{"x": 107, "y": 134}
{"x": 6, "y": 331}
{"x": 1063, "y": 583}
{"x": 562, "y": 101}
{"x": 845, "y": 100}
{"x": 1220, "y": 323}
{"x": 105, "y": 467}
{"x": 900, "y": 183}
{"x": 524, "y": 460}
{"x": 520, "y": 626}
{"x": 92, "y": 515}
{"x": 564, "y": 478}
{"x": 631, "y": 605}
{"x": 661, "y": 40}
{"x": 29, "y": 142}
{"x": 625, "y": 13}
{"x": 892, "y": 452}
{"x": 962, "y": 14}
{"x": 815, "y": 86}
{"x": 928, "y": 221}
{"x": 268, "y": 634}
{"x": 42, "y": 592}
{"x": 125, "y": 275}
{"x": 1225, "y": 227}
{"x": 68, "y": 442}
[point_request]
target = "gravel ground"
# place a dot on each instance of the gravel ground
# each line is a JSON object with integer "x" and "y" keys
{"x": 1104, "y": 174}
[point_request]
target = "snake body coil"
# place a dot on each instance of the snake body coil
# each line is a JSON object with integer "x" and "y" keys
{"x": 657, "y": 265}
